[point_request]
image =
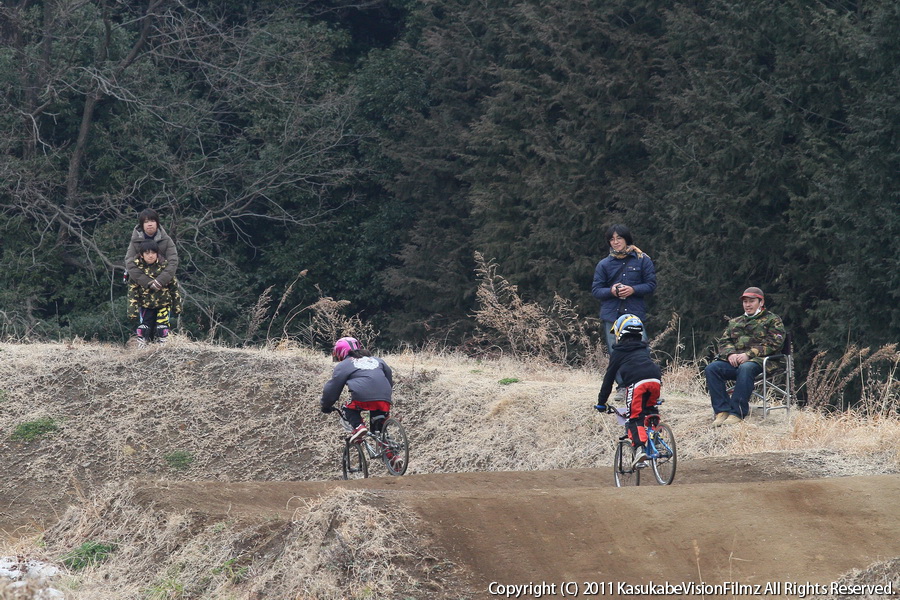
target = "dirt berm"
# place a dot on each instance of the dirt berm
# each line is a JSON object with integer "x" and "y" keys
{"x": 571, "y": 527}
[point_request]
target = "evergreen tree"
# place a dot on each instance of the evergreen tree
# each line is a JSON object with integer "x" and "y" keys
{"x": 228, "y": 124}
{"x": 756, "y": 173}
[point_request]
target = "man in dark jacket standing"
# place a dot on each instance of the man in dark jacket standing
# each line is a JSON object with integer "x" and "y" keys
{"x": 621, "y": 282}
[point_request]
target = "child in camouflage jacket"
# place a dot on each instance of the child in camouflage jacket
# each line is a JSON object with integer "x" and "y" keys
{"x": 150, "y": 307}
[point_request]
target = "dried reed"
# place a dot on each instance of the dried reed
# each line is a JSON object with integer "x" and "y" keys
{"x": 556, "y": 334}
{"x": 828, "y": 380}
{"x": 327, "y": 323}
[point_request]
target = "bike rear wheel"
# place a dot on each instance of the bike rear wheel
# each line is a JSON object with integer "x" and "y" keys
{"x": 625, "y": 474}
{"x": 354, "y": 463}
{"x": 664, "y": 465}
{"x": 395, "y": 451}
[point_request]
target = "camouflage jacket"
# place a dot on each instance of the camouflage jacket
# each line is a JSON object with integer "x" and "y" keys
{"x": 758, "y": 336}
{"x": 146, "y": 297}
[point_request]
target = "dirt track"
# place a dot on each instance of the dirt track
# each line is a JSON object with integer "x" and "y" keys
{"x": 756, "y": 524}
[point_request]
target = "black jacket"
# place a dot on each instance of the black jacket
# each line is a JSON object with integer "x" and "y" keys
{"x": 631, "y": 358}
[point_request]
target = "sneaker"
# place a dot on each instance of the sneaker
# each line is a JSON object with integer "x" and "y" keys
{"x": 358, "y": 434}
{"x": 619, "y": 396}
{"x": 720, "y": 418}
{"x": 395, "y": 460}
{"x": 639, "y": 456}
{"x": 141, "y": 334}
{"x": 160, "y": 340}
{"x": 732, "y": 420}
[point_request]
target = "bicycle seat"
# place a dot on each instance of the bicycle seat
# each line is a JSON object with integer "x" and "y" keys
{"x": 651, "y": 421}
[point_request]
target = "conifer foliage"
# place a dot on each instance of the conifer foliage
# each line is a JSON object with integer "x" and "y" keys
{"x": 381, "y": 145}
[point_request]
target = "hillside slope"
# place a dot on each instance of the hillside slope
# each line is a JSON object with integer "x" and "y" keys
{"x": 211, "y": 471}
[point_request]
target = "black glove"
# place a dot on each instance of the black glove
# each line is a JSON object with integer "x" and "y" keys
{"x": 328, "y": 409}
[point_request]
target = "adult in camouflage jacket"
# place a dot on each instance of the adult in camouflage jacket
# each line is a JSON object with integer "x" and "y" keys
{"x": 747, "y": 340}
{"x": 151, "y": 306}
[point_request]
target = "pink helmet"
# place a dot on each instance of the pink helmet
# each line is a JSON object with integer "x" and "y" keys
{"x": 343, "y": 346}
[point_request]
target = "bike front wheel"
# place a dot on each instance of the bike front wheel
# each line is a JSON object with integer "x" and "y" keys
{"x": 395, "y": 450}
{"x": 354, "y": 462}
{"x": 664, "y": 465}
{"x": 624, "y": 473}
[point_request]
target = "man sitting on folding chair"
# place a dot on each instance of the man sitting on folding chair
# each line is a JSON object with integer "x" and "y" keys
{"x": 747, "y": 340}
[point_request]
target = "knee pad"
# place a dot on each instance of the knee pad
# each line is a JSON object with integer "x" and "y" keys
{"x": 142, "y": 330}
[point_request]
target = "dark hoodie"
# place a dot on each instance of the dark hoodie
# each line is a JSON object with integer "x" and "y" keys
{"x": 631, "y": 358}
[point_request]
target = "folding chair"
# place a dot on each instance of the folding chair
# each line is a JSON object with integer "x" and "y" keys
{"x": 778, "y": 384}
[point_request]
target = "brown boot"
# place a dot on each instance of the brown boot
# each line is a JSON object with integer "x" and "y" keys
{"x": 720, "y": 418}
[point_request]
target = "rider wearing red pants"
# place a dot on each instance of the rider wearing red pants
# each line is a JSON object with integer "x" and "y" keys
{"x": 630, "y": 358}
{"x": 370, "y": 381}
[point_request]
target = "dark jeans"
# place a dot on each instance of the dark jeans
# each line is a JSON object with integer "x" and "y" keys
{"x": 718, "y": 373}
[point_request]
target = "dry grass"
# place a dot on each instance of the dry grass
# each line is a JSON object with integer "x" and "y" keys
{"x": 326, "y": 322}
{"x": 120, "y": 413}
{"x": 345, "y": 545}
{"x": 874, "y": 371}
{"x": 250, "y": 414}
{"x": 881, "y": 573}
{"x": 528, "y": 330}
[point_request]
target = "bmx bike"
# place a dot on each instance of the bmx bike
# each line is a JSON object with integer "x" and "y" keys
{"x": 662, "y": 455}
{"x": 390, "y": 445}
